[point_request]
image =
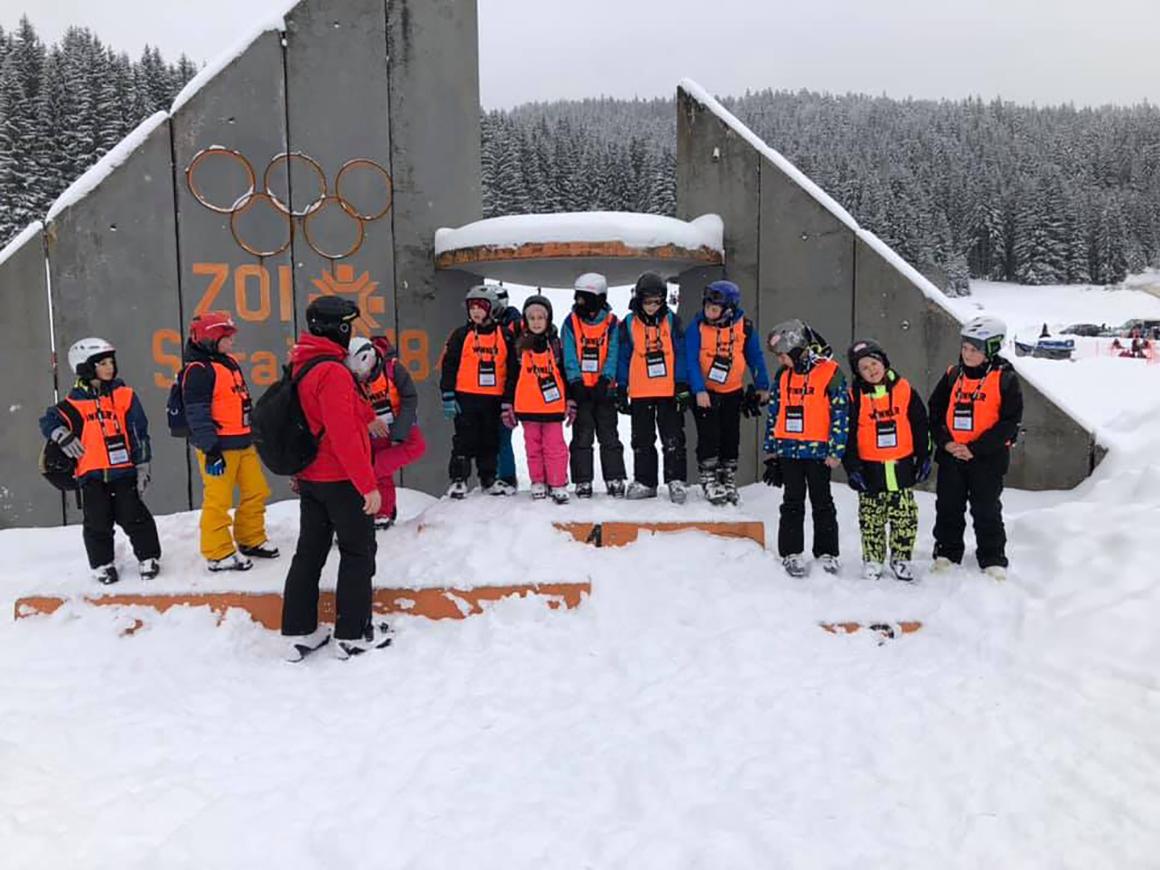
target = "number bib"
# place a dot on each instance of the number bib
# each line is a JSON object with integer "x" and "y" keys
{"x": 795, "y": 418}
{"x": 655, "y": 364}
{"x": 886, "y": 433}
{"x": 719, "y": 371}
{"x": 487, "y": 372}
{"x": 549, "y": 389}
{"x": 964, "y": 419}
{"x": 247, "y": 407}
{"x": 118, "y": 449}
{"x": 590, "y": 359}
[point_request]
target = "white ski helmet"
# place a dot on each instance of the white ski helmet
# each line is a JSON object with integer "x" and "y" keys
{"x": 486, "y": 293}
{"x": 362, "y": 358}
{"x": 86, "y": 352}
{"x": 985, "y": 332}
{"x": 591, "y": 282}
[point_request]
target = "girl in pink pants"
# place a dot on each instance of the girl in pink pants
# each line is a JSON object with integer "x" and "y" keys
{"x": 535, "y": 397}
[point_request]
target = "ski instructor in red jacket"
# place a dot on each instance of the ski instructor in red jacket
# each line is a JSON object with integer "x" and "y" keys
{"x": 338, "y": 495}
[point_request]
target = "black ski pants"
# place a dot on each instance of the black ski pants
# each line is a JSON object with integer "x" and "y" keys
{"x": 116, "y": 502}
{"x": 324, "y": 511}
{"x": 650, "y": 416}
{"x": 719, "y": 428}
{"x": 596, "y": 417}
{"x": 978, "y": 483}
{"x": 801, "y": 476}
{"x": 476, "y": 437}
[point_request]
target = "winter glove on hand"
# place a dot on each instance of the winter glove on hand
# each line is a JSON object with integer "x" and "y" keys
{"x": 570, "y": 414}
{"x": 215, "y": 463}
{"x": 622, "y": 404}
{"x": 857, "y": 481}
{"x": 508, "y": 415}
{"x": 681, "y": 399}
{"x": 772, "y": 475}
{"x": 923, "y": 471}
{"x": 750, "y": 404}
{"x": 451, "y": 408}
{"x": 143, "y": 477}
{"x": 577, "y": 390}
{"x": 600, "y": 391}
{"x": 68, "y": 443}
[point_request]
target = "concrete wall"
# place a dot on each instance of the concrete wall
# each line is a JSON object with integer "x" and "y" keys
{"x": 434, "y": 109}
{"x": 27, "y": 388}
{"x": 811, "y": 262}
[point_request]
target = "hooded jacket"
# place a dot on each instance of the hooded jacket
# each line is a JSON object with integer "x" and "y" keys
{"x": 335, "y": 408}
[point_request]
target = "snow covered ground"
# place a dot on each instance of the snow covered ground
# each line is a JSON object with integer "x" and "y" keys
{"x": 689, "y": 714}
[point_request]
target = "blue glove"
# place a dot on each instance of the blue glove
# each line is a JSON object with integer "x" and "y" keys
{"x": 857, "y": 481}
{"x": 215, "y": 463}
{"x": 451, "y": 408}
{"x": 923, "y": 472}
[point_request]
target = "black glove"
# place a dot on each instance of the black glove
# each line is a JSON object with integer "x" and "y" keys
{"x": 921, "y": 472}
{"x": 600, "y": 391}
{"x": 579, "y": 391}
{"x": 772, "y": 476}
{"x": 681, "y": 399}
{"x": 750, "y": 403}
{"x": 857, "y": 481}
{"x": 622, "y": 401}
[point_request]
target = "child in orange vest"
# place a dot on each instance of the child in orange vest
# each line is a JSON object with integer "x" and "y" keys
{"x": 396, "y": 440}
{"x": 536, "y": 397}
{"x": 887, "y": 453}
{"x": 102, "y": 427}
{"x": 476, "y": 360}
{"x": 805, "y": 438}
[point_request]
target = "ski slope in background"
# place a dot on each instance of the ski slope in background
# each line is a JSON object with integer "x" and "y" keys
{"x": 689, "y": 714}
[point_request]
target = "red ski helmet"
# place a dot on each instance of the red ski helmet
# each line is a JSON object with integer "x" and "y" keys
{"x": 209, "y": 328}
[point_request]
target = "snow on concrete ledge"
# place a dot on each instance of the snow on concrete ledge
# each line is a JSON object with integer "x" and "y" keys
{"x": 21, "y": 239}
{"x": 634, "y": 230}
{"x": 104, "y": 167}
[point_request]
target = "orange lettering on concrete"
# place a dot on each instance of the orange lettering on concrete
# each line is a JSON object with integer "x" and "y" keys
{"x": 218, "y": 273}
{"x": 169, "y": 361}
{"x": 265, "y": 370}
{"x": 242, "y": 276}
{"x": 285, "y": 294}
{"x": 414, "y": 353}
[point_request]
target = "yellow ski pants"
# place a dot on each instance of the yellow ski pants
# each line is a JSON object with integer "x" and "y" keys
{"x": 244, "y": 472}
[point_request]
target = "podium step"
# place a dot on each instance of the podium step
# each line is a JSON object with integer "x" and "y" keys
{"x": 619, "y": 533}
{"x": 888, "y": 630}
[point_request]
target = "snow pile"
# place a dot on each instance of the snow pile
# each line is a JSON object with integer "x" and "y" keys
{"x": 634, "y": 230}
{"x": 104, "y": 167}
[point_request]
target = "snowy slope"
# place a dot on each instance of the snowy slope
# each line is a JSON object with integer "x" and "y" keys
{"x": 689, "y": 714}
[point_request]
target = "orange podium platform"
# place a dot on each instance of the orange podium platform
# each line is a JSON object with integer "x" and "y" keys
{"x": 621, "y": 532}
{"x": 266, "y": 607}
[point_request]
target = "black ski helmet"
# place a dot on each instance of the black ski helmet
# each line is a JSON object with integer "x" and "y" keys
{"x": 863, "y": 348}
{"x": 332, "y": 317}
{"x": 537, "y": 299}
{"x": 650, "y": 284}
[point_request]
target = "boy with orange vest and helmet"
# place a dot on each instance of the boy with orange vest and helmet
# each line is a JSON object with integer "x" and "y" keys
{"x": 396, "y": 440}
{"x": 805, "y": 438}
{"x": 102, "y": 426}
{"x": 975, "y": 412}
{"x": 719, "y": 345}
{"x": 653, "y": 388}
{"x": 887, "y": 453}
{"x": 589, "y": 340}
{"x": 537, "y": 398}
{"x": 217, "y": 408}
{"x": 473, "y": 380}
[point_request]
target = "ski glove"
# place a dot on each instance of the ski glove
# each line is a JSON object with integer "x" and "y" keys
{"x": 772, "y": 476}
{"x": 68, "y": 443}
{"x": 451, "y": 408}
{"x": 682, "y": 398}
{"x": 143, "y": 477}
{"x": 579, "y": 390}
{"x": 570, "y": 414}
{"x": 215, "y": 463}
{"x": 508, "y": 415}
{"x": 923, "y": 471}
{"x": 750, "y": 403}
{"x": 600, "y": 391}
{"x": 857, "y": 481}
{"x": 622, "y": 404}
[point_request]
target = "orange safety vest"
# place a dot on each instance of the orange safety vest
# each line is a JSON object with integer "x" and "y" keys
{"x": 803, "y": 408}
{"x": 384, "y": 395}
{"x": 482, "y": 364}
{"x": 723, "y": 356}
{"x": 974, "y": 405}
{"x": 540, "y": 386}
{"x": 592, "y": 346}
{"x": 650, "y": 371}
{"x": 231, "y": 405}
{"x": 105, "y": 435}
{"x": 884, "y": 423}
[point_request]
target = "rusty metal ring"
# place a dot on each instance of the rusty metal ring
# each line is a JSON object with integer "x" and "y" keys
{"x": 345, "y": 204}
{"x": 286, "y": 158}
{"x": 359, "y": 222}
{"x": 242, "y": 206}
{"x": 219, "y": 150}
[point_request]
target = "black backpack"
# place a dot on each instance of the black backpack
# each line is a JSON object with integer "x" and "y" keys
{"x": 55, "y": 467}
{"x": 283, "y": 437}
{"x": 175, "y": 407}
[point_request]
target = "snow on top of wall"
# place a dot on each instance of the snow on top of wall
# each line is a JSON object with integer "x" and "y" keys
{"x": 634, "y": 230}
{"x": 100, "y": 170}
{"x": 273, "y": 21}
{"x": 773, "y": 155}
{"x": 20, "y": 240}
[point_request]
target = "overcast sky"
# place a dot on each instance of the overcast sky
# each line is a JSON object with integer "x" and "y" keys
{"x": 1046, "y": 51}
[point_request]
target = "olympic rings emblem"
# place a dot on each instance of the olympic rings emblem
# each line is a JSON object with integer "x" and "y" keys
{"x": 265, "y": 196}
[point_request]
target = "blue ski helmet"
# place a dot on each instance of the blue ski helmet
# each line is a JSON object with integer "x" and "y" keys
{"x": 723, "y": 293}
